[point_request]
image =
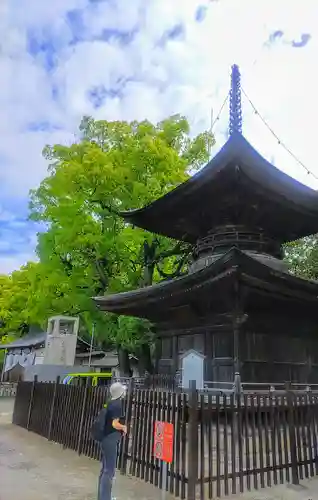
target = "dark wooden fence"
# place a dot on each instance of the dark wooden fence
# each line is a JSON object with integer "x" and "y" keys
{"x": 223, "y": 444}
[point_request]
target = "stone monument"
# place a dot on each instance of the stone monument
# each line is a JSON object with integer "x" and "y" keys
{"x": 60, "y": 346}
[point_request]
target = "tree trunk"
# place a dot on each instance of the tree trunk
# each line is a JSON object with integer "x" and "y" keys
{"x": 148, "y": 274}
{"x": 145, "y": 362}
{"x": 124, "y": 362}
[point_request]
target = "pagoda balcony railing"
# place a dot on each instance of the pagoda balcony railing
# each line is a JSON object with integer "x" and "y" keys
{"x": 220, "y": 241}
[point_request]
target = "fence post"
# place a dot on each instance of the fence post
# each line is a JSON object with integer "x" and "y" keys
{"x": 125, "y": 439}
{"x": 193, "y": 440}
{"x": 80, "y": 431}
{"x": 52, "y": 408}
{"x": 31, "y": 400}
{"x": 292, "y": 436}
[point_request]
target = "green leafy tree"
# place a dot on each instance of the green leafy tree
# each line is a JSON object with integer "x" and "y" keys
{"x": 15, "y": 298}
{"x": 302, "y": 257}
{"x": 88, "y": 249}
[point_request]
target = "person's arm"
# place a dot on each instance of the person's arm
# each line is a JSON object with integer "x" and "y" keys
{"x": 118, "y": 426}
{"x": 117, "y": 413}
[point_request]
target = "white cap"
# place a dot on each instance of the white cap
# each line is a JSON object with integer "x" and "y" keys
{"x": 117, "y": 390}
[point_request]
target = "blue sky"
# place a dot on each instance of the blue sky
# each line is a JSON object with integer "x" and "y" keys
{"x": 123, "y": 59}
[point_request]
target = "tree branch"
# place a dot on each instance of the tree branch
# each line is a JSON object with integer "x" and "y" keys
{"x": 176, "y": 273}
{"x": 101, "y": 273}
{"x": 178, "y": 249}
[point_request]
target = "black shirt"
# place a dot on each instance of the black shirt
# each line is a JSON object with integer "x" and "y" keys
{"x": 114, "y": 412}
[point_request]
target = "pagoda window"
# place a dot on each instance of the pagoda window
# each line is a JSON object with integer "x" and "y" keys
{"x": 222, "y": 345}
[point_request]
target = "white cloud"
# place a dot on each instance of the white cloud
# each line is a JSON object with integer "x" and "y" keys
{"x": 155, "y": 76}
{"x": 10, "y": 263}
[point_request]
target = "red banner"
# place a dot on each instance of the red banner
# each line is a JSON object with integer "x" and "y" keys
{"x": 163, "y": 441}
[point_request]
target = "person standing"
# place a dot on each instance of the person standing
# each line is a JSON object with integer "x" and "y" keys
{"x": 113, "y": 430}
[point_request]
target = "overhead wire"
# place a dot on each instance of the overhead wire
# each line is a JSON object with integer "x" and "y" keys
{"x": 220, "y": 111}
{"x": 213, "y": 122}
{"x": 280, "y": 142}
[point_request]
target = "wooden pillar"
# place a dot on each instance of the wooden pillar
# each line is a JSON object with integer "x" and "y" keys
{"x": 238, "y": 319}
{"x": 157, "y": 354}
{"x": 208, "y": 351}
{"x": 236, "y": 327}
{"x": 175, "y": 353}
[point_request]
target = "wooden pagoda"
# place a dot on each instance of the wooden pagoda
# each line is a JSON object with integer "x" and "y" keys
{"x": 238, "y": 305}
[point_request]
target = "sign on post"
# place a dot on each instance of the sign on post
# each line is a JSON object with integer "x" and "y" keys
{"x": 163, "y": 448}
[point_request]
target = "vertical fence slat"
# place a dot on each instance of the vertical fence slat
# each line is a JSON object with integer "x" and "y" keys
{"x": 178, "y": 444}
{"x": 124, "y": 449}
{"x": 56, "y": 383}
{"x": 292, "y": 437}
{"x": 136, "y": 416}
{"x": 225, "y": 446}
{"x": 285, "y": 437}
{"x": 171, "y": 419}
{"x": 248, "y": 415}
{"x": 184, "y": 415}
{"x": 299, "y": 449}
{"x": 34, "y": 383}
{"x": 267, "y": 445}
{"x": 233, "y": 444}
{"x": 140, "y": 434}
{"x": 218, "y": 448}
{"x": 273, "y": 438}
{"x": 240, "y": 441}
{"x": 280, "y": 442}
{"x": 312, "y": 424}
{"x": 157, "y": 462}
{"x": 153, "y": 418}
{"x": 309, "y": 435}
{"x": 202, "y": 446}
{"x": 254, "y": 442}
{"x": 260, "y": 440}
{"x": 303, "y": 434}
{"x": 82, "y": 416}
{"x": 210, "y": 445}
{"x": 192, "y": 441}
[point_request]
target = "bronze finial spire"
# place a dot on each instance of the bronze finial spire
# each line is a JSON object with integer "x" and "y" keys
{"x": 235, "y": 124}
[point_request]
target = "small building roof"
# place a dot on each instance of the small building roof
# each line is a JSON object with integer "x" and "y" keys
{"x": 37, "y": 339}
{"x": 237, "y": 180}
{"x": 29, "y": 340}
{"x": 93, "y": 354}
{"x": 107, "y": 359}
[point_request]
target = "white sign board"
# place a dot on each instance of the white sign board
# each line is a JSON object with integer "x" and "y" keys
{"x": 193, "y": 369}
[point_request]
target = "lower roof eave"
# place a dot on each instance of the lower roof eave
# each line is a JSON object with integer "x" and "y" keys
{"x": 141, "y": 305}
{"x": 164, "y": 295}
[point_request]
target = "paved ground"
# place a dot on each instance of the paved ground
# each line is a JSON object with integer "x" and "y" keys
{"x": 31, "y": 468}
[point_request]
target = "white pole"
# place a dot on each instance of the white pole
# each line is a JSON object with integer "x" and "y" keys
{"x": 164, "y": 480}
{"x": 91, "y": 346}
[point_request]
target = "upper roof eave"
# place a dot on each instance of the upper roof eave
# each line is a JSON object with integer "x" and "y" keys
{"x": 259, "y": 170}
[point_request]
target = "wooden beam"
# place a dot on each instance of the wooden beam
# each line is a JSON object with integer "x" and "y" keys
{"x": 282, "y": 292}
